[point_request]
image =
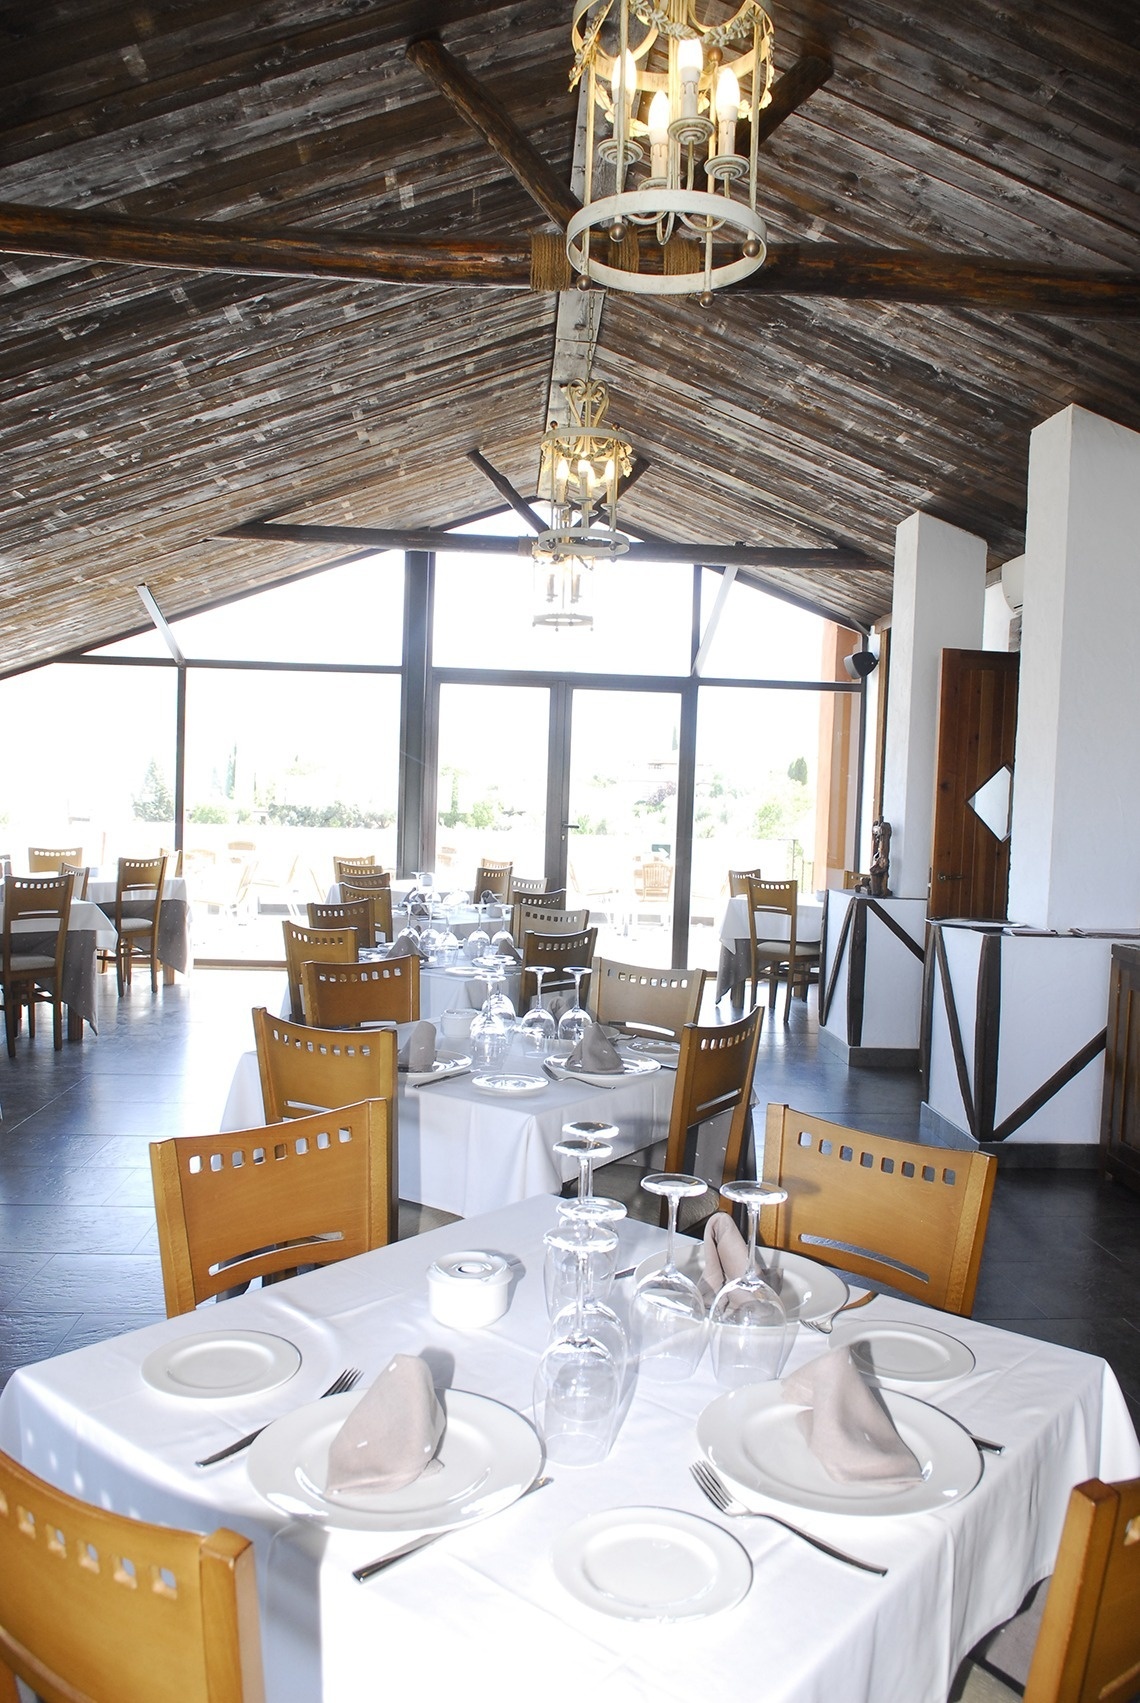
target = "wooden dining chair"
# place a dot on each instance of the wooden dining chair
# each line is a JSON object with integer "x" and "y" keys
{"x": 140, "y": 882}
{"x": 852, "y": 879}
{"x": 714, "y": 1075}
{"x": 80, "y": 875}
{"x": 46, "y": 860}
{"x": 263, "y": 1202}
{"x": 738, "y": 880}
{"x": 534, "y": 919}
{"x": 305, "y": 945}
{"x": 345, "y": 996}
{"x": 42, "y": 904}
{"x": 526, "y": 887}
{"x": 644, "y": 1000}
{"x": 381, "y": 897}
{"x": 347, "y": 868}
{"x": 494, "y": 877}
{"x": 550, "y": 899}
{"x": 776, "y": 957}
{"x": 368, "y": 880}
{"x": 894, "y": 1212}
{"x": 99, "y": 1608}
{"x": 557, "y": 952}
{"x": 359, "y": 914}
{"x": 306, "y": 1070}
{"x": 1079, "y": 1642}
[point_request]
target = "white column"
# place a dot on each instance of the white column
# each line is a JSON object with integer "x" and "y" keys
{"x": 1075, "y": 845}
{"x": 939, "y": 597}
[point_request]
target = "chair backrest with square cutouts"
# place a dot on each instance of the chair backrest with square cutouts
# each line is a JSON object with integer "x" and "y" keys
{"x": 343, "y": 996}
{"x": 261, "y": 1202}
{"x": 46, "y": 860}
{"x": 492, "y": 877}
{"x": 358, "y": 914}
{"x": 305, "y": 1069}
{"x": 527, "y": 918}
{"x": 738, "y": 880}
{"x": 908, "y": 1216}
{"x": 645, "y": 1000}
{"x": 381, "y": 898}
{"x": 558, "y": 952}
{"x": 97, "y": 1606}
{"x": 348, "y": 868}
{"x": 714, "y": 1075}
{"x": 305, "y": 946}
{"x": 527, "y": 887}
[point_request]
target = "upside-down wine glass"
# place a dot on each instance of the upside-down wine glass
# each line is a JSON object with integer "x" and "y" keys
{"x": 668, "y": 1308}
{"x": 748, "y": 1321}
{"x": 589, "y": 1144}
{"x": 503, "y": 941}
{"x": 575, "y": 1020}
{"x": 478, "y": 942}
{"x": 538, "y": 1028}
{"x": 577, "y": 1387}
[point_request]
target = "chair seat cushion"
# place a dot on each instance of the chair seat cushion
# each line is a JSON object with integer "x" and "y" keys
{"x": 135, "y": 925}
{"x": 29, "y": 964}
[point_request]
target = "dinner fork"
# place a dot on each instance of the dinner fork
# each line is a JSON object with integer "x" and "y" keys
{"x": 824, "y": 1326}
{"x": 714, "y": 1487}
{"x": 348, "y": 1380}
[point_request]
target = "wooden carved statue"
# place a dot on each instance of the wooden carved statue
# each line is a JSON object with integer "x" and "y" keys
{"x": 880, "y": 859}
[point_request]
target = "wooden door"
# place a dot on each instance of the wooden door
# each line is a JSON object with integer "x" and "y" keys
{"x": 977, "y": 721}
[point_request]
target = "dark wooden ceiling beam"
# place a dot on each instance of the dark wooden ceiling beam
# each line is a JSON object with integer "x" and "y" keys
{"x": 845, "y": 272}
{"x": 476, "y": 544}
{"x": 791, "y": 91}
{"x": 507, "y": 491}
{"x": 483, "y": 112}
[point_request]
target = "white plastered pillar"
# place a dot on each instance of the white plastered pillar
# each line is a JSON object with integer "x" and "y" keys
{"x": 939, "y": 600}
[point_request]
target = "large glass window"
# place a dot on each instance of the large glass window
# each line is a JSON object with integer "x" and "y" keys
{"x": 284, "y": 771}
{"x": 759, "y": 637}
{"x": 350, "y": 614}
{"x": 99, "y": 772}
{"x": 623, "y": 808}
{"x": 491, "y": 789}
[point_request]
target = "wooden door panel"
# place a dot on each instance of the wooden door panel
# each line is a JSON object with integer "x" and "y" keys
{"x": 977, "y": 723}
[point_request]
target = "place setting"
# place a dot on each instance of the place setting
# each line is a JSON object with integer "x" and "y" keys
{"x": 419, "y": 1064}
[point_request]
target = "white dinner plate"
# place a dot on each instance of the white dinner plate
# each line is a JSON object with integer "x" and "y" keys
{"x": 511, "y": 1084}
{"x": 753, "y": 1437}
{"x": 903, "y": 1353}
{"x": 221, "y": 1363}
{"x": 488, "y": 1457}
{"x": 808, "y": 1290}
{"x": 630, "y": 1068}
{"x": 652, "y": 1564}
{"x": 446, "y": 1066}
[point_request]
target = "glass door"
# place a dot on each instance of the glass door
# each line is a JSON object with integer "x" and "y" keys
{"x": 623, "y": 813}
{"x": 491, "y": 779}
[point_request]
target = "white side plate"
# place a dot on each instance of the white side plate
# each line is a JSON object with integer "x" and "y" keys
{"x": 488, "y": 1457}
{"x": 631, "y": 1068}
{"x": 511, "y": 1084}
{"x": 220, "y": 1364}
{"x": 903, "y": 1353}
{"x": 447, "y": 1066}
{"x": 753, "y": 1437}
{"x": 652, "y": 1564}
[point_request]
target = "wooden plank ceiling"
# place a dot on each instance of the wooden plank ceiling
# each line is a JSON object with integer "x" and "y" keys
{"x": 147, "y": 411}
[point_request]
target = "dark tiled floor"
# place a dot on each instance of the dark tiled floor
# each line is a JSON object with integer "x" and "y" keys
{"x": 78, "y": 1258}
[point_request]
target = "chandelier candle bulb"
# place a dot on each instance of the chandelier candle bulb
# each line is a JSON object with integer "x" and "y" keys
{"x": 727, "y": 110}
{"x": 690, "y": 63}
{"x": 623, "y": 85}
{"x": 659, "y": 134}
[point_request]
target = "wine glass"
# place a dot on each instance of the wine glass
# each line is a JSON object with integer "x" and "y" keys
{"x": 668, "y": 1309}
{"x": 573, "y": 1234}
{"x": 577, "y": 1387}
{"x": 491, "y": 1032}
{"x": 499, "y": 998}
{"x": 748, "y": 1321}
{"x": 478, "y": 942}
{"x": 431, "y": 940}
{"x": 588, "y": 1144}
{"x": 538, "y": 1027}
{"x": 503, "y": 941}
{"x": 575, "y": 1020}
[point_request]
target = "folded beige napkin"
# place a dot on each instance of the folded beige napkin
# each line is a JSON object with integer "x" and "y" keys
{"x": 405, "y": 945}
{"x": 595, "y": 1052}
{"x": 725, "y": 1252}
{"x": 847, "y": 1427}
{"x": 477, "y": 992}
{"x": 418, "y": 1051}
{"x": 506, "y": 949}
{"x": 558, "y": 1003}
{"x": 392, "y": 1433}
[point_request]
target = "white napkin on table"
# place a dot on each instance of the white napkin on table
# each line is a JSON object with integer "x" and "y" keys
{"x": 725, "y": 1252}
{"x": 418, "y": 1051}
{"x": 847, "y": 1427}
{"x": 392, "y": 1434}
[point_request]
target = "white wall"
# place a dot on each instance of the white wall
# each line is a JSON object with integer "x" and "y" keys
{"x": 1076, "y": 792}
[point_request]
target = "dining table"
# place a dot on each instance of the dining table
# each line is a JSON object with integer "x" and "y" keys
{"x": 89, "y": 931}
{"x": 466, "y": 1148}
{"x": 734, "y": 967}
{"x": 174, "y": 920}
{"x": 618, "y": 1581}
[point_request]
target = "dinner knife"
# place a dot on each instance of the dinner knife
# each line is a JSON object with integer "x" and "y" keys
{"x": 371, "y": 1568}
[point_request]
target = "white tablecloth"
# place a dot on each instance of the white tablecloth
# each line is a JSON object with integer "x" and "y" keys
{"x": 734, "y": 966}
{"x": 88, "y": 931}
{"x": 174, "y": 923}
{"x": 466, "y": 1151}
{"x": 481, "y": 1615}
